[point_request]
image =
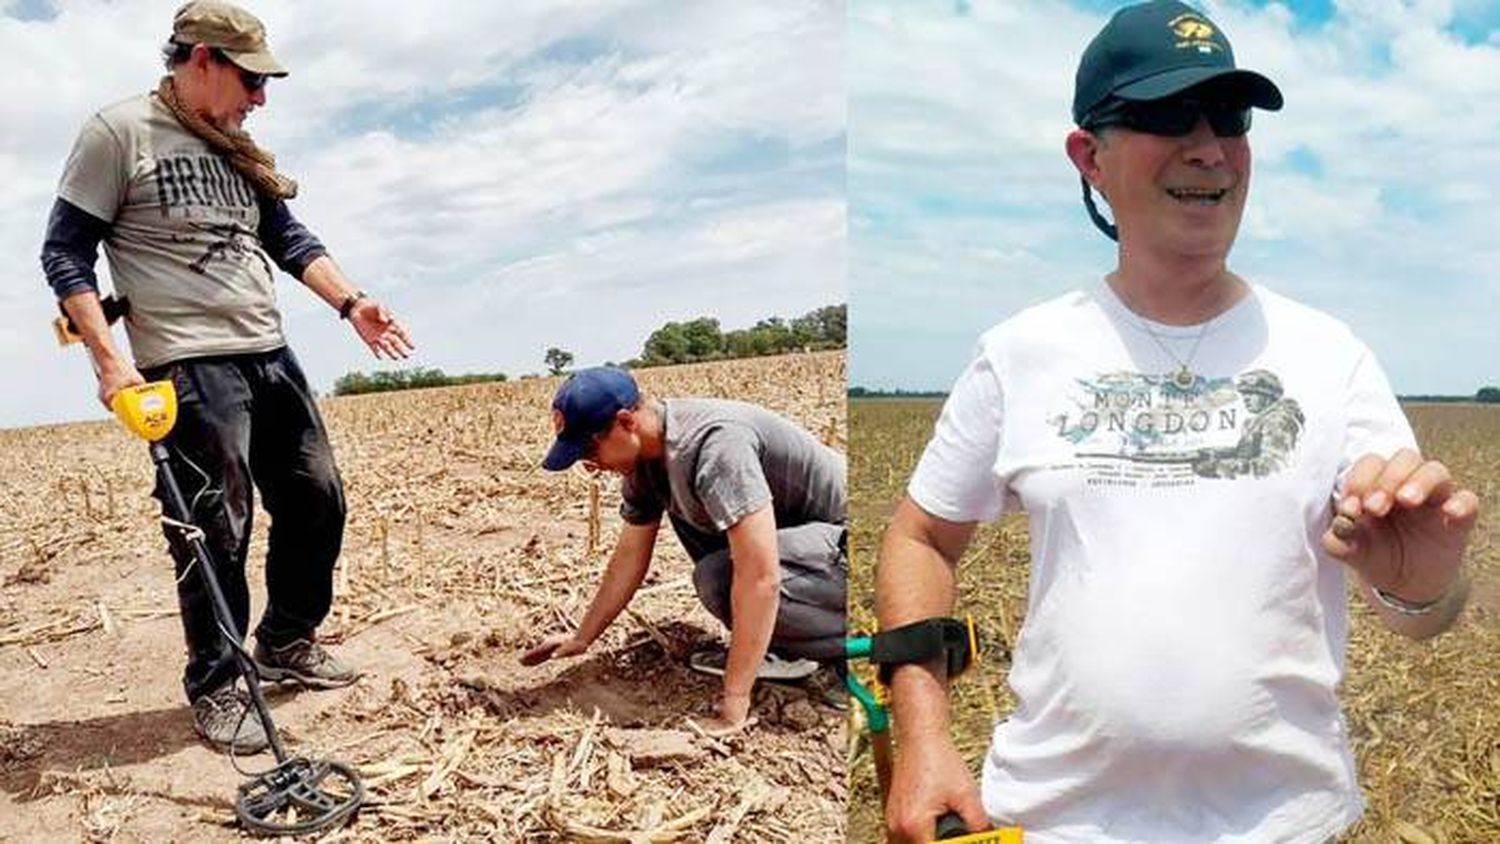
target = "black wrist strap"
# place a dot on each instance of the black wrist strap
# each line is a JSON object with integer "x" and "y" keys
{"x": 954, "y": 641}
{"x": 348, "y": 306}
{"x": 114, "y": 308}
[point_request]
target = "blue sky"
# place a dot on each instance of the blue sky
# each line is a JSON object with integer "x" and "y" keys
{"x": 1372, "y": 199}
{"x": 507, "y": 176}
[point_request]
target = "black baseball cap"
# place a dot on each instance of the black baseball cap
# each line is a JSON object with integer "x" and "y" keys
{"x": 1155, "y": 50}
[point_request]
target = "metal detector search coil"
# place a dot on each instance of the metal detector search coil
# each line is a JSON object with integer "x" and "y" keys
{"x": 149, "y": 411}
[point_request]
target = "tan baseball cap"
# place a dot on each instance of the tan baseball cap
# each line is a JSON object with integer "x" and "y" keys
{"x": 240, "y": 35}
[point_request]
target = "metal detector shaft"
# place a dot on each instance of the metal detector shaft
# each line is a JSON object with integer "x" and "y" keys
{"x": 299, "y": 796}
{"x": 221, "y": 606}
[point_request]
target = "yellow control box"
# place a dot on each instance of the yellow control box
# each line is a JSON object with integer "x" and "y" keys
{"x": 1004, "y": 835}
{"x": 149, "y": 410}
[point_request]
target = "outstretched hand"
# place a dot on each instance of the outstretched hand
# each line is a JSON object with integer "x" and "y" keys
{"x": 1402, "y": 524}
{"x": 731, "y": 715}
{"x": 379, "y": 328}
{"x": 561, "y": 645}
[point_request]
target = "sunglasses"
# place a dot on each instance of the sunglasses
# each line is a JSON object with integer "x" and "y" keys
{"x": 1176, "y": 117}
{"x": 253, "y": 81}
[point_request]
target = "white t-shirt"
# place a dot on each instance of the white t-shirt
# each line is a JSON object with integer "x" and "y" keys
{"x": 1185, "y": 631}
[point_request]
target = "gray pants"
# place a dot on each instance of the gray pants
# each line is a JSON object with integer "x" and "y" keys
{"x": 811, "y": 620}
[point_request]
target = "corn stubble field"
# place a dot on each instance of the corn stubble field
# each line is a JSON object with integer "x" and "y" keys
{"x": 1424, "y": 717}
{"x": 459, "y": 552}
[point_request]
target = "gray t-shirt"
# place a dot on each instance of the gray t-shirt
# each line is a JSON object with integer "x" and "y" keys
{"x": 182, "y": 245}
{"x": 727, "y": 459}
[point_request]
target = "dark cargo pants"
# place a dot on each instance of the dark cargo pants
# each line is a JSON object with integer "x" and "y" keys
{"x": 811, "y": 620}
{"x": 249, "y": 422}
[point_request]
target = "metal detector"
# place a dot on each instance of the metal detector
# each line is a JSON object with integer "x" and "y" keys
{"x": 299, "y": 795}
{"x": 956, "y": 643}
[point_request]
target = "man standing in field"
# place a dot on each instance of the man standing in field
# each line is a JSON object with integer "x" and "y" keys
{"x": 757, "y": 502}
{"x": 192, "y": 214}
{"x": 1184, "y": 639}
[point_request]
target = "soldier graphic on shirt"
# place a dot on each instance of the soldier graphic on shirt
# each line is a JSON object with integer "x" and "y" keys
{"x": 1269, "y": 437}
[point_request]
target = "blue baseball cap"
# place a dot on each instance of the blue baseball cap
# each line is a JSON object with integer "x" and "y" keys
{"x": 584, "y": 406}
{"x": 1155, "y": 50}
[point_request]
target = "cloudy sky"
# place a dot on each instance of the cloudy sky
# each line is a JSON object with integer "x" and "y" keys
{"x": 507, "y": 176}
{"x": 1374, "y": 195}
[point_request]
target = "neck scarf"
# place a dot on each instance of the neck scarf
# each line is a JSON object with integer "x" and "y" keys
{"x": 251, "y": 161}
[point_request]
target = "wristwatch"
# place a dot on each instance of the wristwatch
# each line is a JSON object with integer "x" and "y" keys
{"x": 348, "y": 306}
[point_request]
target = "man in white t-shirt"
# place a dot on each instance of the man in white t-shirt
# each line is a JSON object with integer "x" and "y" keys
{"x": 1202, "y": 461}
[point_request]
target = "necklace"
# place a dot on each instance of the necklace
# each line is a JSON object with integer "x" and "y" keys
{"x": 1184, "y": 378}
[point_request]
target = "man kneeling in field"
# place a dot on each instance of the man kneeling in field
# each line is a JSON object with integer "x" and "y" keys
{"x": 757, "y": 502}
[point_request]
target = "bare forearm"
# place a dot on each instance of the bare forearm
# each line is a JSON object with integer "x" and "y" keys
{"x": 754, "y": 602}
{"x": 622, "y": 577}
{"x": 915, "y": 580}
{"x": 912, "y": 582}
{"x": 88, "y": 319}
{"x": 324, "y": 278}
{"x": 754, "y": 597}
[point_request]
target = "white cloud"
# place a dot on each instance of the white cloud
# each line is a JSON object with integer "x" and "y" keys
{"x": 1293, "y": 207}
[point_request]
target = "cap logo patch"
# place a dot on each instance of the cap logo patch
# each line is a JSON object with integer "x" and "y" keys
{"x": 1194, "y": 33}
{"x": 558, "y": 421}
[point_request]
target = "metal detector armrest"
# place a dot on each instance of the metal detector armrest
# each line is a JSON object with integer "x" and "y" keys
{"x": 67, "y": 332}
{"x": 956, "y": 642}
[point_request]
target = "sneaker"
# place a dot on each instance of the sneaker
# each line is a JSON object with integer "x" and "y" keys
{"x": 828, "y": 686}
{"x": 303, "y": 661}
{"x": 225, "y": 719}
{"x": 773, "y": 667}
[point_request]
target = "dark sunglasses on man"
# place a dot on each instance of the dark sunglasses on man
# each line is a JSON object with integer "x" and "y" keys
{"x": 1174, "y": 117}
{"x": 252, "y": 81}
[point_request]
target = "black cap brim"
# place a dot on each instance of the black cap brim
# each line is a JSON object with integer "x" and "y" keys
{"x": 564, "y": 453}
{"x": 1257, "y": 90}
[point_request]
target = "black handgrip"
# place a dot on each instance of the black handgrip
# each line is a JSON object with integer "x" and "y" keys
{"x": 113, "y": 307}
{"x": 950, "y": 825}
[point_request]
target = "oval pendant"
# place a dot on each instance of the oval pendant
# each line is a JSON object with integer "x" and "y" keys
{"x": 1184, "y": 379}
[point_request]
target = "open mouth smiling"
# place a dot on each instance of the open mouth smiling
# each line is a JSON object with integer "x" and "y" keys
{"x": 1199, "y": 196}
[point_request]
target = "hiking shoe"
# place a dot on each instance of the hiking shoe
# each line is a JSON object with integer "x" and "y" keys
{"x": 226, "y": 721}
{"x": 304, "y": 661}
{"x": 773, "y": 667}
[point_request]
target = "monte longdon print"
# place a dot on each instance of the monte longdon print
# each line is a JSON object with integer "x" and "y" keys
{"x": 1131, "y": 429}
